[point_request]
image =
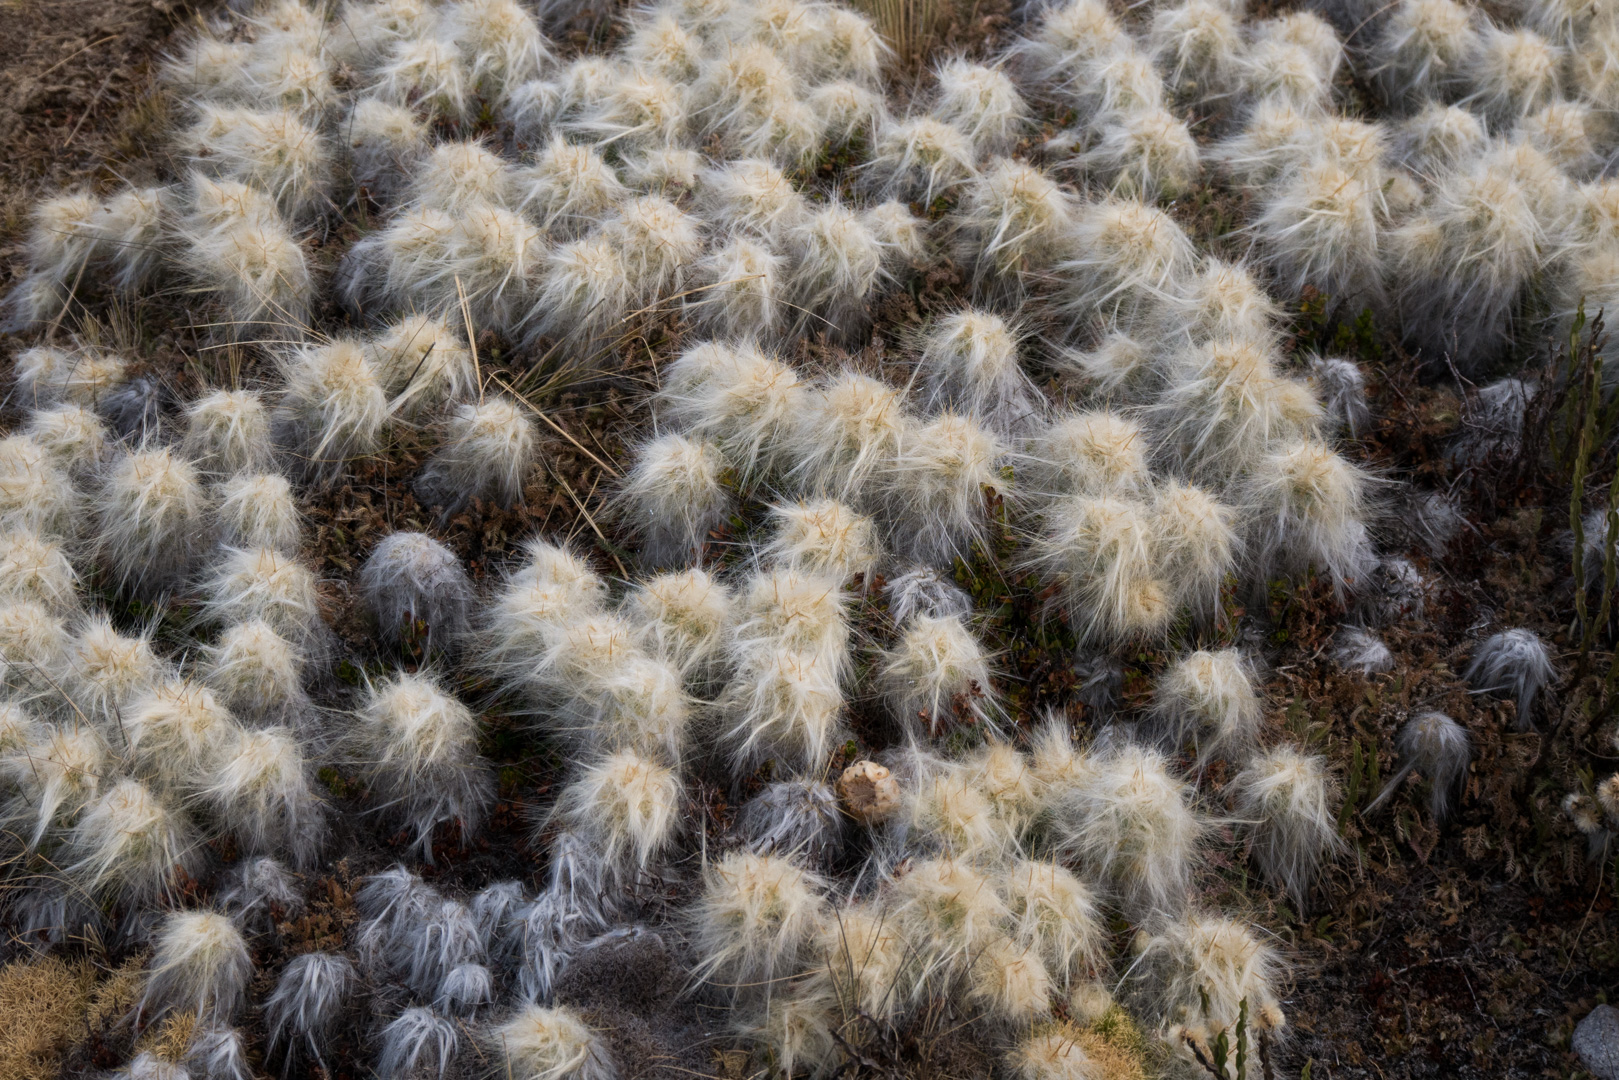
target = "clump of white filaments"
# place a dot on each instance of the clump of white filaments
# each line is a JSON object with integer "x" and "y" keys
{"x": 675, "y": 496}
{"x": 418, "y": 749}
{"x": 1131, "y": 821}
{"x": 1284, "y": 797}
{"x": 1207, "y": 697}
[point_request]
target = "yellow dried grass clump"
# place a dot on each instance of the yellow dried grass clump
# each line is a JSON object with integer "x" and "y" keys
{"x": 1116, "y": 1046}
{"x": 50, "y": 1006}
{"x": 171, "y": 1039}
{"x": 43, "y": 1004}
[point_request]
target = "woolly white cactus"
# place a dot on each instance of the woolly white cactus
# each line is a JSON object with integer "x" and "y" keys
{"x": 1511, "y": 73}
{"x": 199, "y": 964}
{"x": 781, "y": 703}
{"x": 937, "y": 676}
{"x": 1054, "y": 761}
{"x": 756, "y": 917}
{"x": 741, "y": 289}
{"x": 682, "y": 617}
{"x": 1146, "y": 152}
{"x": 257, "y": 510}
{"x": 1049, "y": 1055}
{"x": 920, "y": 159}
{"x": 1440, "y": 749}
{"x": 176, "y": 732}
{"x": 417, "y": 747}
{"x": 674, "y": 497}
{"x": 72, "y": 436}
{"x": 1320, "y": 227}
{"x": 671, "y": 171}
{"x": 1118, "y": 369}
{"x": 948, "y": 912}
{"x": 1113, "y": 82}
{"x": 748, "y": 405}
{"x": 260, "y": 788}
{"x": 427, "y": 72}
{"x": 411, "y": 580}
{"x": 752, "y": 196}
{"x": 130, "y": 847}
{"x": 384, "y": 142}
{"x": 1285, "y": 798}
{"x": 1224, "y": 407}
{"x": 1100, "y": 548}
{"x": 900, "y": 234}
{"x": 260, "y": 583}
{"x": 823, "y": 536}
{"x": 1126, "y": 259}
{"x": 1360, "y": 650}
{"x": 488, "y": 258}
{"x": 423, "y": 362}
{"x": 1065, "y": 37}
{"x": 1012, "y": 222}
{"x": 1199, "y": 972}
{"x": 980, "y": 101}
{"x": 1195, "y": 540}
{"x": 1198, "y": 45}
{"x": 150, "y": 510}
{"x": 1096, "y": 452}
{"x": 55, "y": 774}
{"x": 583, "y": 292}
{"x": 332, "y": 409}
{"x": 1438, "y": 138}
{"x": 851, "y": 426}
{"x": 488, "y": 450}
{"x": 922, "y": 590}
{"x": 551, "y": 1044}
{"x": 797, "y": 608}
{"x": 255, "y": 671}
{"x": 655, "y": 241}
{"x": 1281, "y": 72}
{"x": 274, "y": 151}
{"x": 568, "y": 188}
{"x": 35, "y": 493}
{"x": 238, "y": 247}
{"x": 227, "y": 432}
{"x": 969, "y": 363}
{"x": 417, "y": 1042}
{"x": 551, "y": 590}
{"x": 106, "y": 671}
{"x": 794, "y": 818}
{"x": 848, "y": 109}
{"x": 945, "y": 810}
{"x": 1423, "y": 47}
{"x": 1130, "y": 821}
{"x": 64, "y": 243}
{"x": 1342, "y": 389}
{"x": 33, "y": 648}
{"x": 839, "y": 261}
{"x": 628, "y": 808}
{"x": 1056, "y": 915}
{"x": 1514, "y": 662}
{"x": 1208, "y": 697}
{"x": 1475, "y": 248}
{"x": 613, "y": 698}
{"x": 35, "y": 570}
{"x": 1305, "y": 507}
{"x": 932, "y": 491}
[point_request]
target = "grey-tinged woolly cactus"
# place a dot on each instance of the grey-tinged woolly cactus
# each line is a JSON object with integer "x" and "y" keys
{"x": 415, "y": 585}
{"x": 1516, "y": 663}
{"x": 1438, "y": 747}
